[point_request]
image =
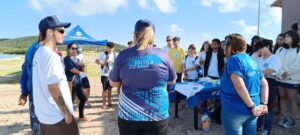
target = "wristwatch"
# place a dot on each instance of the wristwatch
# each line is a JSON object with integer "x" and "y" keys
{"x": 250, "y": 108}
{"x": 263, "y": 103}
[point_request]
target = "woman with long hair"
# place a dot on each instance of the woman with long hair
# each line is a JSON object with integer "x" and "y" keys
{"x": 289, "y": 77}
{"x": 203, "y": 50}
{"x": 143, "y": 72}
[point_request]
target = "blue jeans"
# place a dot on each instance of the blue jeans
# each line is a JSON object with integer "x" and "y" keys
{"x": 237, "y": 124}
{"x": 34, "y": 122}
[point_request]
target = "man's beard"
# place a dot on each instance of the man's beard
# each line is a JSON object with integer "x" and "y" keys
{"x": 57, "y": 43}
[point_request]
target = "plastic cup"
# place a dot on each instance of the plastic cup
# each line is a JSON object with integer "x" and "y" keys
{"x": 205, "y": 122}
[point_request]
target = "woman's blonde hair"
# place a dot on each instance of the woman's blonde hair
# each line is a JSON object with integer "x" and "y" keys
{"x": 144, "y": 38}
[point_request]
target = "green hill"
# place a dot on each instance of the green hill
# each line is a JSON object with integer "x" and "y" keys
{"x": 20, "y": 45}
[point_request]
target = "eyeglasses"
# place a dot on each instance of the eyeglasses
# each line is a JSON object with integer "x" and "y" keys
{"x": 61, "y": 31}
{"x": 169, "y": 40}
{"x": 74, "y": 48}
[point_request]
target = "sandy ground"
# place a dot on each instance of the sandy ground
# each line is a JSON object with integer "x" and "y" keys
{"x": 14, "y": 119}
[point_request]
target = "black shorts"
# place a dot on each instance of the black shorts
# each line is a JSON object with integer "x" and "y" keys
{"x": 143, "y": 127}
{"x": 288, "y": 85}
{"x": 179, "y": 77}
{"x": 105, "y": 83}
{"x": 85, "y": 83}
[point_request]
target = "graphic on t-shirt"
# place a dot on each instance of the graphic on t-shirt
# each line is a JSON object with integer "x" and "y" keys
{"x": 266, "y": 65}
{"x": 139, "y": 62}
{"x": 176, "y": 55}
{"x": 155, "y": 98}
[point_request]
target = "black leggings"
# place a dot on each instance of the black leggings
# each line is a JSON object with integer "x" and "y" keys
{"x": 143, "y": 127}
{"x": 79, "y": 92}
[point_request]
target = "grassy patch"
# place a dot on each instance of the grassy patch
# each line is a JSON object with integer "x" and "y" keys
{"x": 12, "y": 67}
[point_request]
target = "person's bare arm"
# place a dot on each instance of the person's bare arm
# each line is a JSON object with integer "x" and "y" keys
{"x": 115, "y": 84}
{"x": 264, "y": 91}
{"x": 241, "y": 89}
{"x": 100, "y": 62}
{"x": 58, "y": 97}
{"x": 172, "y": 82}
{"x": 60, "y": 102}
{"x": 75, "y": 71}
{"x": 97, "y": 62}
{"x": 268, "y": 71}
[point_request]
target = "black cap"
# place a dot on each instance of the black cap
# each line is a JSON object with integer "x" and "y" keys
{"x": 176, "y": 39}
{"x": 141, "y": 24}
{"x": 52, "y": 22}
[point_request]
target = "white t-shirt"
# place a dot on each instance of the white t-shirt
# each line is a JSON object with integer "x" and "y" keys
{"x": 202, "y": 55}
{"x": 272, "y": 62}
{"x": 106, "y": 68}
{"x": 213, "y": 66}
{"x": 189, "y": 62}
{"x": 255, "y": 57}
{"x": 48, "y": 69}
{"x": 166, "y": 49}
{"x": 80, "y": 57}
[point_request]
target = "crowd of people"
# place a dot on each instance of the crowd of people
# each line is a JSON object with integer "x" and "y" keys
{"x": 253, "y": 79}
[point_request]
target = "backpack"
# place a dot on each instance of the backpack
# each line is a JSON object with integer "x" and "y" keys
{"x": 107, "y": 57}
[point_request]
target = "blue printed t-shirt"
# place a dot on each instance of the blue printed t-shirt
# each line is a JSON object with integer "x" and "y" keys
{"x": 69, "y": 64}
{"x": 243, "y": 65}
{"x": 144, "y": 75}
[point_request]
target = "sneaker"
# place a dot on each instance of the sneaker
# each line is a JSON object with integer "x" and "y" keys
{"x": 83, "y": 119}
{"x": 88, "y": 104}
{"x": 266, "y": 132}
{"x": 289, "y": 123}
{"x": 281, "y": 121}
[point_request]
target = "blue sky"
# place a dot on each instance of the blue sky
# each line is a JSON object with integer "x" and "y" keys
{"x": 193, "y": 20}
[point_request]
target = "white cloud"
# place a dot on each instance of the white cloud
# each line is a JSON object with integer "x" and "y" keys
{"x": 247, "y": 30}
{"x": 206, "y": 37}
{"x": 164, "y": 6}
{"x": 227, "y": 5}
{"x": 276, "y": 15}
{"x": 143, "y": 3}
{"x": 175, "y": 29}
{"x": 80, "y": 7}
{"x": 36, "y": 5}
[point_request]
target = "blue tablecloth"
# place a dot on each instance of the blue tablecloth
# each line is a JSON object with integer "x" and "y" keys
{"x": 209, "y": 91}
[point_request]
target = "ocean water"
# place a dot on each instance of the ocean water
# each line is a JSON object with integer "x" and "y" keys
{"x": 7, "y": 56}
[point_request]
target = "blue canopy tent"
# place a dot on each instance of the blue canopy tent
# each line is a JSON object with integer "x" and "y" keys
{"x": 78, "y": 36}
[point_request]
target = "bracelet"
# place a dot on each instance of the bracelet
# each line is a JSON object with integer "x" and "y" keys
{"x": 263, "y": 103}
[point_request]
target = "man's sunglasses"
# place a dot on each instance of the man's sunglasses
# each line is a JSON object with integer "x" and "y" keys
{"x": 61, "y": 31}
{"x": 74, "y": 48}
{"x": 169, "y": 40}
